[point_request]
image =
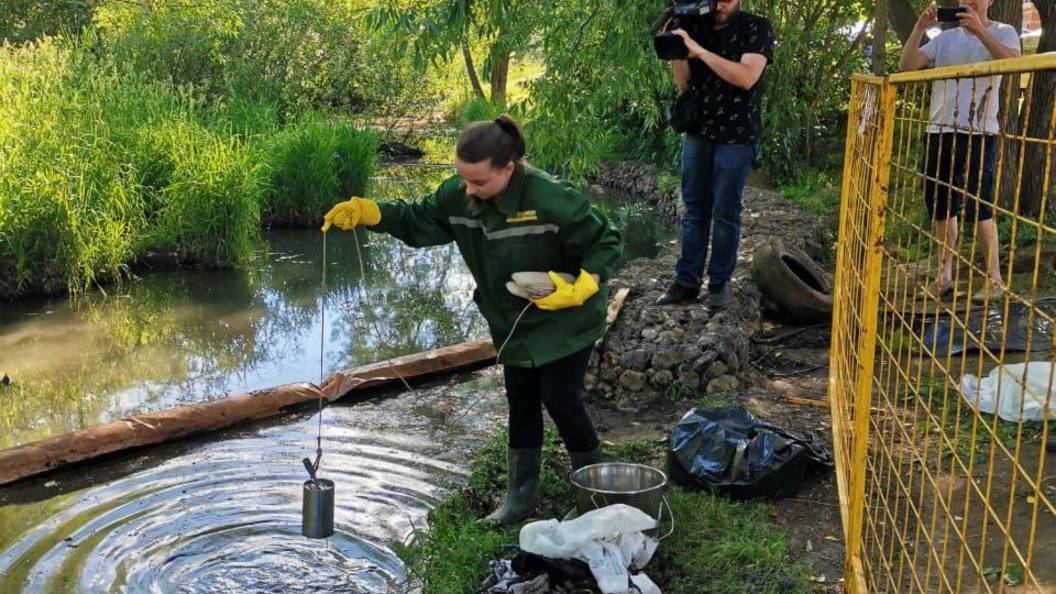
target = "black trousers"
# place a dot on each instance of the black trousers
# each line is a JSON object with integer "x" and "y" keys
{"x": 558, "y": 386}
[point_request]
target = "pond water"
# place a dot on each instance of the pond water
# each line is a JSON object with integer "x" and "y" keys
{"x": 171, "y": 338}
{"x": 222, "y": 513}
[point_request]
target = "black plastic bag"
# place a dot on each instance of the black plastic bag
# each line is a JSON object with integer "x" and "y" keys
{"x": 944, "y": 337}
{"x": 729, "y": 451}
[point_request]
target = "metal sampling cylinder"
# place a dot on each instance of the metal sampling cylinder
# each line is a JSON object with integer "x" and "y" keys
{"x": 317, "y": 513}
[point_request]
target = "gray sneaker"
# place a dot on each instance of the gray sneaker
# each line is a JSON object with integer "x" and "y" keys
{"x": 722, "y": 298}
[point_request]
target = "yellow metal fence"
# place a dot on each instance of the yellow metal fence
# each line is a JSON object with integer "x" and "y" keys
{"x": 938, "y": 493}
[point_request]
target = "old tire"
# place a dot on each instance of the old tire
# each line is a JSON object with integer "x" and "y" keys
{"x": 793, "y": 282}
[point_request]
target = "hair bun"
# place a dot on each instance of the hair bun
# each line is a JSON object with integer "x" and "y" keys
{"x": 507, "y": 125}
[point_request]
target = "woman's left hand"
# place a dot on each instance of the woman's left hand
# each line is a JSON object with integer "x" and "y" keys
{"x": 695, "y": 49}
{"x": 568, "y": 294}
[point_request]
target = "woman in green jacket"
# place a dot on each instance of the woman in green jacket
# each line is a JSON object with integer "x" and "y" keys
{"x": 508, "y": 217}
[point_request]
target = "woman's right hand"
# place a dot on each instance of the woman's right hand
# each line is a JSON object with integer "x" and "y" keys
{"x": 351, "y": 213}
{"x": 928, "y": 19}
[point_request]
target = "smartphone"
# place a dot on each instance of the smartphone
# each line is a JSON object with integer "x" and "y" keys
{"x": 948, "y": 14}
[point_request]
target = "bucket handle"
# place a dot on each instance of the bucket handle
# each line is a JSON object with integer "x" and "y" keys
{"x": 595, "y": 501}
{"x": 660, "y": 513}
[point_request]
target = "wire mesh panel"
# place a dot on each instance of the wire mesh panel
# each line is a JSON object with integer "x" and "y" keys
{"x": 943, "y": 355}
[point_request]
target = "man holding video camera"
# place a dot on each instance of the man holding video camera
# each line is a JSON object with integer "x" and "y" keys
{"x": 718, "y": 75}
{"x": 960, "y": 161}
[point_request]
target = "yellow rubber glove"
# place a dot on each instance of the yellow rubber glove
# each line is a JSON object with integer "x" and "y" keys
{"x": 568, "y": 294}
{"x": 351, "y": 213}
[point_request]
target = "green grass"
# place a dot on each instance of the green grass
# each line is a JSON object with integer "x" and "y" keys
{"x": 311, "y": 165}
{"x": 472, "y": 110}
{"x": 99, "y": 164}
{"x": 816, "y": 191}
{"x": 939, "y": 398}
{"x": 718, "y": 546}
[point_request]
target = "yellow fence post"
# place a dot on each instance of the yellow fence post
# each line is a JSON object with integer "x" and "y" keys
{"x": 881, "y": 167}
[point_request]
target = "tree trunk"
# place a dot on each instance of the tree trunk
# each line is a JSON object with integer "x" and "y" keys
{"x": 1040, "y": 157}
{"x": 471, "y": 70}
{"x": 500, "y": 69}
{"x": 880, "y": 39}
{"x": 1010, "y": 12}
{"x": 903, "y": 17}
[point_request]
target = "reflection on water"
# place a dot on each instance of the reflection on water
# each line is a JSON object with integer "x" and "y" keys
{"x": 171, "y": 338}
{"x": 180, "y": 337}
{"x": 223, "y": 515}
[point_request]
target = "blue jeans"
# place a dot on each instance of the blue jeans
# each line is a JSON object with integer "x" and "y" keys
{"x": 713, "y": 177}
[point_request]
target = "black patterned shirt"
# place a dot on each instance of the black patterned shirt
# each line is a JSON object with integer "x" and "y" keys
{"x": 732, "y": 115}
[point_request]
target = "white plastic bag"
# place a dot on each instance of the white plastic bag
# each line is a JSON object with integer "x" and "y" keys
{"x": 1011, "y": 395}
{"x": 609, "y": 540}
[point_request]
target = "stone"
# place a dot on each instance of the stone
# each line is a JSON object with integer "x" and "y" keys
{"x": 662, "y": 378}
{"x": 590, "y": 379}
{"x": 669, "y": 337}
{"x": 610, "y": 374}
{"x": 632, "y": 381}
{"x": 698, "y": 313}
{"x": 716, "y": 370}
{"x": 704, "y": 361}
{"x": 733, "y": 362}
{"x": 649, "y": 334}
{"x": 594, "y": 359}
{"x": 636, "y": 360}
{"x": 689, "y": 378}
{"x": 666, "y": 359}
{"x": 726, "y": 383}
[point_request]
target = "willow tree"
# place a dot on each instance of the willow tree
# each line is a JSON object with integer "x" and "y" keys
{"x": 440, "y": 29}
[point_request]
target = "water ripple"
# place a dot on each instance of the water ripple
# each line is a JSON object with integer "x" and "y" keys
{"x": 225, "y": 516}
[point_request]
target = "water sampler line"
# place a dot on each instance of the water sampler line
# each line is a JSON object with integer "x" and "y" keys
{"x": 318, "y": 505}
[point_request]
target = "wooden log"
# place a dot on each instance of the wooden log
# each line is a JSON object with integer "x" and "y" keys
{"x": 152, "y": 428}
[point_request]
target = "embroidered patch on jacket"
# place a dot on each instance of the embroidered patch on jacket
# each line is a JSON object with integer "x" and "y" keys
{"x": 523, "y": 217}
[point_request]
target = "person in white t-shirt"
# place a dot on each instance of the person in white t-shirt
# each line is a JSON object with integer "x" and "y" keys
{"x": 961, "y": 155}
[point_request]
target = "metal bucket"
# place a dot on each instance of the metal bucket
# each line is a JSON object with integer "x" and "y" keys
{"x": 636, "y": 485}
{"x": 317, "y": 513}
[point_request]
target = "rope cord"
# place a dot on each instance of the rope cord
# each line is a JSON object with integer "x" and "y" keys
{"x": 314, "y": 467}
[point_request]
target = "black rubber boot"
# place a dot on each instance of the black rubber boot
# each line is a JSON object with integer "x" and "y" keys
{"x": 721, "y": 297}
{"x": 678, "y": 294}
{"x": 522, "y": 487}
{"x": 581, "y": 459}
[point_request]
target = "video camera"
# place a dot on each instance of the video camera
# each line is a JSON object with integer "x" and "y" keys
{"x": 682, "y": 14}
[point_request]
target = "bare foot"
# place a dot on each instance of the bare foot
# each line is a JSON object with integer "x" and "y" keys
{"x": 938, "y": 288}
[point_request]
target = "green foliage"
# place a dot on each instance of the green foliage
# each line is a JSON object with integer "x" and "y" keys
{"x": 475, "y": 110}
{"x": 602, "y": 84}
{"x": 99, "y": 164}
{"x": 808, "y": 84}
{"x": 604, "y": 89}
{"x": 69, "y": 211}
{"x": 817, "y": 191}
{"x": 29, "y": 20}
{"x": 296, "y": 53}
{"x": 437, "y": 30}
{"x": 451, "y": 556}
{"x": 312, "y": 165}
{"x": 209, "y": 208}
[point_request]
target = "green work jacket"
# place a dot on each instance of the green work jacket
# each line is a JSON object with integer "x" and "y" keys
{"x": 538, "y": 224}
